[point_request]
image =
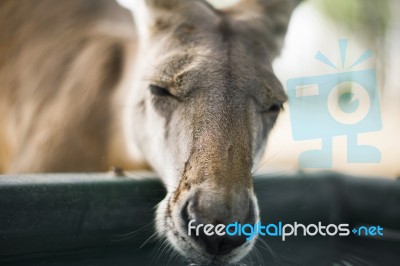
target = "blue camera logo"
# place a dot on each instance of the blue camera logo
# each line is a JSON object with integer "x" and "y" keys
{"x": 345, "y": 103}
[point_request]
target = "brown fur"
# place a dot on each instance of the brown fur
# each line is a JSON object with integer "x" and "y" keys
{"x": 60, "y": 67}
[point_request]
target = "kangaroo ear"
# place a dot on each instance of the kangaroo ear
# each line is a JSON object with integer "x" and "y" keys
{"x": 151, "y": 13}
{"x": 278, "y": 14}
{"x": 271, "y": 16}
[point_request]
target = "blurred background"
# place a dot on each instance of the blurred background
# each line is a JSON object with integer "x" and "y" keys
{"x": 316, "y": 26}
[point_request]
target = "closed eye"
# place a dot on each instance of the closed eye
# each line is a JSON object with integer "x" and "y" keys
{"x": 273, "y": 109}
{"x": 159, "y": 91}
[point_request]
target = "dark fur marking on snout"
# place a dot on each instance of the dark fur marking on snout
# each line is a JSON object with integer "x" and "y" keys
{"x": 183, "y": 178}
{"x": 187, "y": 185}
{"x": 169, "y": 211}
{"x": 177, "y": 192}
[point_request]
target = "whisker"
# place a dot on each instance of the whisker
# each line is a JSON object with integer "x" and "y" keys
{"x": 126, "y": 236}
{"x": 148, "y": 240}
{"x": 357, "y": 260}
{"x": 269, "y": 182}
{"x": 273, "y": 254}
{"x": 265, "y": 161}
{"x": 166, "y": 247}
{"x": 155, "y": 254}
{"x": 257, "y": 255}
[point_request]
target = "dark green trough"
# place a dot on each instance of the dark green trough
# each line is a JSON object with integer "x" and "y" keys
{"x": 101, "y": 219}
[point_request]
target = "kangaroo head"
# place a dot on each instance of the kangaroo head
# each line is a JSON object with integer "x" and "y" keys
{"x": 203, "y": 100}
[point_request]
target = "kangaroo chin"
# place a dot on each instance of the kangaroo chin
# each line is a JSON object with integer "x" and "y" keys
{"x": 171, "y": 226}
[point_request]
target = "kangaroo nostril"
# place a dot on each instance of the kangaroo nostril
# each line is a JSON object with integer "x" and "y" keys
{"x": 185, "y": 212}
{"x": 186, "y": 217}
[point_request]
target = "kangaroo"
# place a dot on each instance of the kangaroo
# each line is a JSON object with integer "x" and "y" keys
{"x": 183, "y": 88}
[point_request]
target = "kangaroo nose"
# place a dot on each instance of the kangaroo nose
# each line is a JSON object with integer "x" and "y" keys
{"x": 204, "y": 213}
{"x": 220, "y": 245}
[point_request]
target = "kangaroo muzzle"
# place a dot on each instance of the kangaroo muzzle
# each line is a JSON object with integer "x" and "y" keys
{"x": 215, "y": 207}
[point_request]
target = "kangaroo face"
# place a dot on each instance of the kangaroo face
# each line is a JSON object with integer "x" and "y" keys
{"x": 205, "y": 97}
